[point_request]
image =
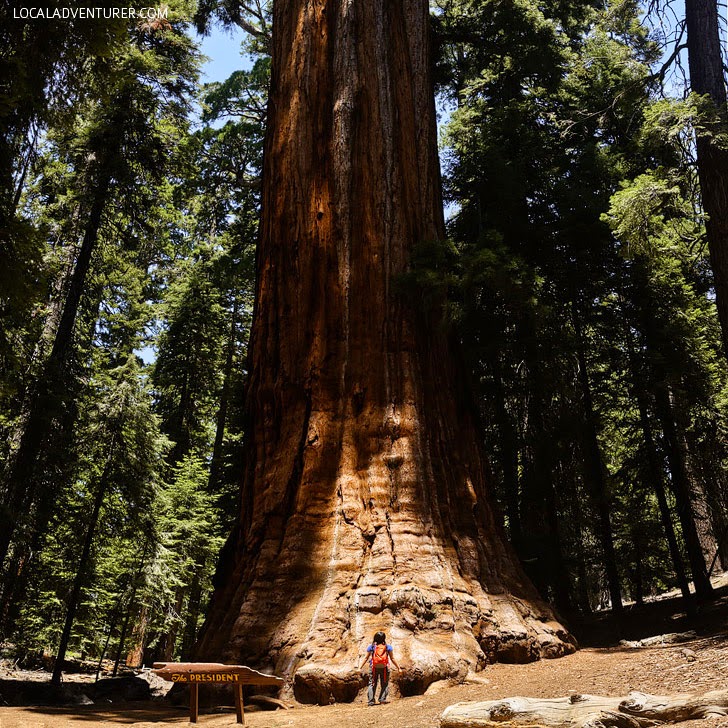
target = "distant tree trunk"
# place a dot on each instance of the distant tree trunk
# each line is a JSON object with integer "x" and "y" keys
{"x": 707, "y": 468}
{"x": 638, "y": 546}
{"x": 10, "y": 575}
{"x": 705, "y": 62}
{"x": 189, "y": 636}
{"x": 658, "y": 484}
{"x": 168, "y": 639}
{"x": 82, "y": 570}
{"x": 582, "y": 579}
{"x": 655, "y": 470}
{"x": 509, "y": 454}
{"x": 683, "y": 496}
{"x": 122, "y": 640}
{"x": 719, "y": 562}
{"x": 135, "y": 656}
{"x": 52, "y": 468}
{"x": 663, "y": 410}
{"x": 124, "y": 631}
{"x": 181, "y": 430}
{"x": 541, "y": 517}
{"x": 112, "y": 626}
{"x": 545, "y": 553}
{"x": 596, "y": 472}
{"x": 56, "y": 300}
{"x": 364, "y": 504}
{"x": 217, "y": 449}
{"x": 701, "y": 512}
{"x": 708, "y": 540}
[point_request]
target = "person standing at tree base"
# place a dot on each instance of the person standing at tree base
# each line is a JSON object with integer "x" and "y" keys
{"x": 379, "y": 653}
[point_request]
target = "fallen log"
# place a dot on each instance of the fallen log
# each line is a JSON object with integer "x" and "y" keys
{"x": 637, "y": 710}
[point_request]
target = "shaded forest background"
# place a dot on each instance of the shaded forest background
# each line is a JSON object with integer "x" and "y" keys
{"x": 577, "y": 274}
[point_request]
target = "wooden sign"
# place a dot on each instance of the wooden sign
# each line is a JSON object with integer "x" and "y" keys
{"x": 213, "y": 673}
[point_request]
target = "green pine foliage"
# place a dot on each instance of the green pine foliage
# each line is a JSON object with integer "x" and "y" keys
{"x": 144, "y": 444}
{"x": 566, "y": 173}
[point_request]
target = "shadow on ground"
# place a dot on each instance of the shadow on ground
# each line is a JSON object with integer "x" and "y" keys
{"x": 666, "y": 615}
{"x": 123, "y": 714}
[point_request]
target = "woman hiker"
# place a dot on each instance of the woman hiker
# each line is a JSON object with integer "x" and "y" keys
{"x": 379, "y": 653}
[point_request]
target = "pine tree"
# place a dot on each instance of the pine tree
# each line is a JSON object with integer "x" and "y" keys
{"x": 124, "y": 136}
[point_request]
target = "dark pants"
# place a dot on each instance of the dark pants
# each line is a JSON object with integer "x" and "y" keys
{"x": 378, "y": 674}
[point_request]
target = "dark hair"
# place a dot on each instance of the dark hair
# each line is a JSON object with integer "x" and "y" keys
{"x": 380, "y": 638}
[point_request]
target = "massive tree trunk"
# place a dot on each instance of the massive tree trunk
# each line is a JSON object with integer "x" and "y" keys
{"x": 364, "y": 502}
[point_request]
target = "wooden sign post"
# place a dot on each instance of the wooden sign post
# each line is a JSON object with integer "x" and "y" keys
{"x": 196, "y": 673}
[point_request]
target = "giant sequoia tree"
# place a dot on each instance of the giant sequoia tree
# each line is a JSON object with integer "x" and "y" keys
{"x": 365, "y": 499}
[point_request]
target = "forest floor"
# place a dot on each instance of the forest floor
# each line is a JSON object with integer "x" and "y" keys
{"x": 654, "y": 650}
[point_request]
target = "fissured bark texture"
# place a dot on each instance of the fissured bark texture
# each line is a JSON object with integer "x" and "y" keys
{"x": 365, "y": 504}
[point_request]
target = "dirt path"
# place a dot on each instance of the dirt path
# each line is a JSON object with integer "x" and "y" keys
{"x": 695, "y": 666}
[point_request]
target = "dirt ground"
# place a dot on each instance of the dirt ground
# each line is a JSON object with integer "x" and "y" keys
{"x": 660, "y": 669}
{"x": 696, "y": 664}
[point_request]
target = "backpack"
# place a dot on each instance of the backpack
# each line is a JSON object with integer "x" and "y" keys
{"x": 380, "y": 656}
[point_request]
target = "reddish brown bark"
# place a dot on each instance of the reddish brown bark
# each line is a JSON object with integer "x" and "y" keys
{"x": 364, "y": 501}
{"x": 135, "y": 655}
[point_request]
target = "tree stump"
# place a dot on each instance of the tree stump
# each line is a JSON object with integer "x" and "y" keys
{"x": 637, "y": 710}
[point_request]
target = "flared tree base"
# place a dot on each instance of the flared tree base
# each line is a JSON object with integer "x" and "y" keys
{"x": 314, "y": 629}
